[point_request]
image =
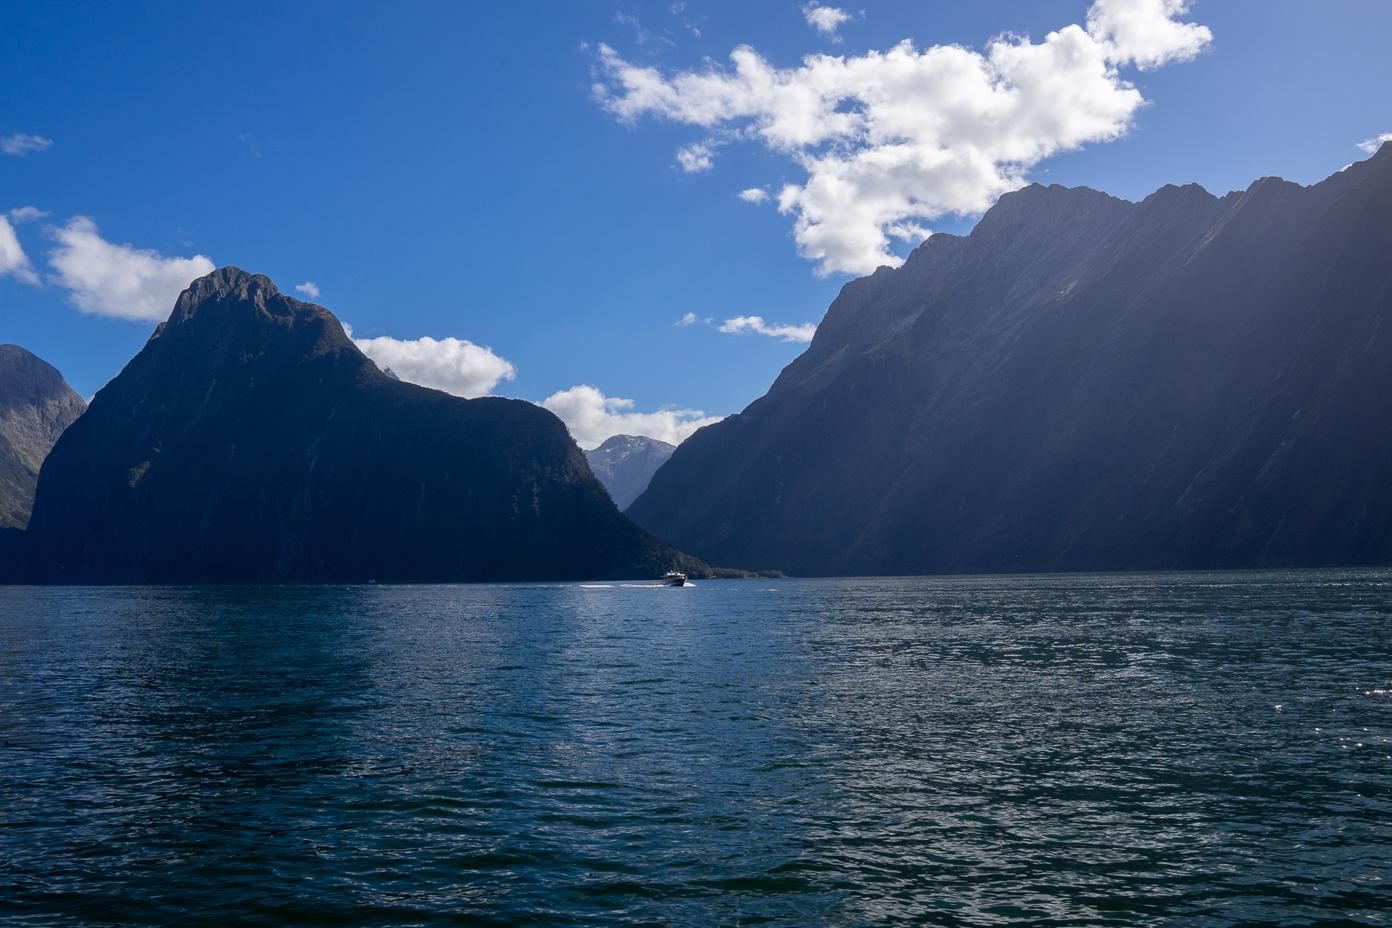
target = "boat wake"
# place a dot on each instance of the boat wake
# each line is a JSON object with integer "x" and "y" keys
{"x": 633, "y": 586}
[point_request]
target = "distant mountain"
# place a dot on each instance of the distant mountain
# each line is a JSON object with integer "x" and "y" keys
{"x": 36, "y": 405}
{"x": 625, "y": 464}
{"x": 250, "y": 440}
{"x": 1081, "y": 383}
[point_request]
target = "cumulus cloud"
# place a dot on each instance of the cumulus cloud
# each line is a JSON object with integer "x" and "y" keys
{"x": 21, "y": 144}
{"x": 754, "y": 195}
{"x": 755, "y": 325}
{"x": 825, "y": 19}
{"x": 27, "y": 214}
{"x": 1146, "y": 33}
{"x": 686, "y": 320}
{"x": 892, "y": 140}
{"x": 696, "y": 158}
{"x": 593, "y": 417}
{"x": 451, "y": 364}
{"x": 119, "y": 280}
{"x": 1372, "y": 145}
{"x": 309, "y": 288}
{"x": 13, "y": 261}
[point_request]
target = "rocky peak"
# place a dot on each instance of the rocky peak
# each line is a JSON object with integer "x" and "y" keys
{"x": 1037, "y": 219}
{"x": 27, "y": 378}
{"x": 1037, "y": 201}
{"x": 36, "y": 405}
{"x": 627, "y": 444}
{"x": 230, "y": 307}
{"x": 231, "y": 286}
{"x": 228, "y": 282}
{"x": 1178, "y": 196}
{"x": 625, "y": 464}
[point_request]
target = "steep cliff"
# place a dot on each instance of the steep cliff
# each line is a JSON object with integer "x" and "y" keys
{"x": 1081, "y": 383}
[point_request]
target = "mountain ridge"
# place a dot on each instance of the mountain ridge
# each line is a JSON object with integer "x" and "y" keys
{"x": 1061, "y": 388}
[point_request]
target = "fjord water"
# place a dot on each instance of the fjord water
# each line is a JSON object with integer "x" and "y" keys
{"x": 1203, "y": 749}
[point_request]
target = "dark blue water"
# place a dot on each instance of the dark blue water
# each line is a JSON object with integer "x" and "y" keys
{"x": 1187, "y": 750}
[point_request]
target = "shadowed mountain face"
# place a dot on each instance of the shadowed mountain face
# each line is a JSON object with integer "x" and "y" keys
{"x": 250, "y": 440}
{"x": 36, "y": 405}
{"x": 1081, "y": 383}
{"x": 625, "y": 464}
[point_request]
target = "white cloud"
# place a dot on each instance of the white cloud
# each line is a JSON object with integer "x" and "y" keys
{"x": 13, "y": 261}
{"x": 309, "y": 288}
{"x": 1372, "y": 145}
{"x": 755, "y": 325}
{"x": 592, "y": 417}
{"x": 892, "y": 140}
{"x": 119, "y": 280}
{"x": 1145, "y": 32}
{"x": 22, "y": 143}
{"x": 450, "y": 364}
{"x": 27, "y": 214}
{"x": 696, "y": 158}
{"x": 754, "y": 195}
{"x": 825, "y": 19}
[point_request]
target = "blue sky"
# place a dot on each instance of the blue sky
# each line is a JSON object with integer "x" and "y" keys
{"x": 446, "y": 169}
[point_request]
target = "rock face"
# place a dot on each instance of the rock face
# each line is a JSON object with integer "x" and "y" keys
{"x": 250, "y": 440}
{"x": 36, "y": 405}
{"x": 626, "y": 463}
{"x": 1081, "y": 383}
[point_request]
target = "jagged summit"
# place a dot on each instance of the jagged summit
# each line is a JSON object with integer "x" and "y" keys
{"x": 223, "y": 284}
{"x": 1179, "y": 194}
{"x": 231, "y": 313}
{"x": 1049, "y": 211}
{"x": 1035, "y": 197}
{"x": 1036, "y": 193}
{"x": 233, "y": 292}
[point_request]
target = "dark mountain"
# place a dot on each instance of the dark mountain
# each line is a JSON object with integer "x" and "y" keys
{"x": 625, "y": 464}
{"x": 36, "y": 405}
{"x": 1081, "y": 383}
{"x": 250, "y": 440}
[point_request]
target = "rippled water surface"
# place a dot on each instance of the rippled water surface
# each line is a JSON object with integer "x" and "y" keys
{"x": 1188, "y": 750}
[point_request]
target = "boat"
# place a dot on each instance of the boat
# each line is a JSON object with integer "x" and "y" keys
{"x": 673, "y": 578}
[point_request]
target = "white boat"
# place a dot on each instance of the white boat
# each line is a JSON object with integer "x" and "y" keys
{"x": 673, "y": 578}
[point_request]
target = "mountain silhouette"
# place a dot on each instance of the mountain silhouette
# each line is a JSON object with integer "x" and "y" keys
{"x": 1081, "y": 383}
{"x": 250, "y": 440}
